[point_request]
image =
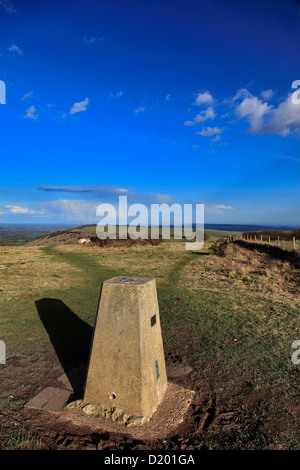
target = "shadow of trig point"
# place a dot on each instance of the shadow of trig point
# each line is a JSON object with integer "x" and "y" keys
{"x": 127, "y": 368}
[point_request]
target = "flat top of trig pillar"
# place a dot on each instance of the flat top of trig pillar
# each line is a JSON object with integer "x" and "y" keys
{"x": 133, "y": 281}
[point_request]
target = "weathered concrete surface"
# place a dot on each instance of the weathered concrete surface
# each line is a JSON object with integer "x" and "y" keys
{"x": 127, "y": 366}
{"x": 50, "y": 399}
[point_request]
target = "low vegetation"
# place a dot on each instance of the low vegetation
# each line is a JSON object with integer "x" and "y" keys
{"x": 231, "y": 318}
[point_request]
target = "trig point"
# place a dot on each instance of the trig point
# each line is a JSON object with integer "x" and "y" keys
{"x": 127, "y": 367}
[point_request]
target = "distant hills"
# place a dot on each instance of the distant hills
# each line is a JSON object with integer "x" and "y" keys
{"x": 20, "y": 234}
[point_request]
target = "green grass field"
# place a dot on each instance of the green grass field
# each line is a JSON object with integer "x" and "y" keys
{"x": 232, "y": 319}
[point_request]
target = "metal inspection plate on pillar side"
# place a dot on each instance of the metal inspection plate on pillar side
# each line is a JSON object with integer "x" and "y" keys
{"x": 127, "y": 367}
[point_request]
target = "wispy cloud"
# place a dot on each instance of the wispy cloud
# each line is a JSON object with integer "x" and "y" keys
{"x": 80, "y": 107}
{"x": 116, "y": 95}
{"x": 241, "y": 94}
{"x": 267, "y": 94}
{"x": 203, "y": 98}
{"x": 85, "y": 210}
{"x": 99, "y": 190}
{"x": 31, "y": 113}
{"x": 20, "y": 210}
{"x": 168, "y": 97}
{"x": 81, "y": 210}
{"x": 93, "y": 39}
{"x": 104, "y": 193}
{"x": 210, "y": 131}
{"x": 153, "y": 198}
{"x": 141, "y": 109}
{"x": 27, "y": 95}
{"x": 15, "y": 49}
{"x": 7, "y": 6}
{"x": 208, "y": 113}
{"x": 218, "y": 209}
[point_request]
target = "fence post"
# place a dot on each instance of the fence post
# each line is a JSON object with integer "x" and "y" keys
{"x": 294, "y": 243}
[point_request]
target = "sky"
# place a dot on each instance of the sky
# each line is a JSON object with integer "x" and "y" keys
{"x": 164, "y": 101}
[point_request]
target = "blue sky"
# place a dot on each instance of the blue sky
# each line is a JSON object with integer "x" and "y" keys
{"x": 162, "y": 100}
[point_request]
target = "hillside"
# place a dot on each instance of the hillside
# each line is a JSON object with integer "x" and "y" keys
{"x": 229, "y": 320}
{"x": 88, "y": 232}
{"x": 19, "y": 234}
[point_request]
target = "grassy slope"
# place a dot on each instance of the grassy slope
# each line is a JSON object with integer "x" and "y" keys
{"x": 227, "y": 334}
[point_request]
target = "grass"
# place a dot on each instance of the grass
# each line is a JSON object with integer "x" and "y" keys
{"x": 234, "y": 319}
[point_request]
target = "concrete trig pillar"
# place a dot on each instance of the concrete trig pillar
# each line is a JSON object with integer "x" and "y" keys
{"x": 127, "y": 367}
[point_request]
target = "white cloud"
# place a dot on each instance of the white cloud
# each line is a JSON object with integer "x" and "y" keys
{"x": 208, "y": 113}
{"x": 203, "y": 98}
{"x": 266, "y": 119}
{"x": 210, "y": 131}
{"x": 218, "y": 209}
{"x": 216, "y": 139}
{"x": 242, "y": 93}
{"x": 21, "y": 210}
{"x": 284, "y": 119}
{"x": 141, "y": 109}
{"x": 254, "y": 110}
{"x": 74, "y": 209}
{"x": 31, "y": 113}
{"x": 267, "y": 94}
{"x": 79, "y": 107}
{"x": 85, "y": 210}
{"x": 168, "y": 97}
{"x": 15, "y": 49}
